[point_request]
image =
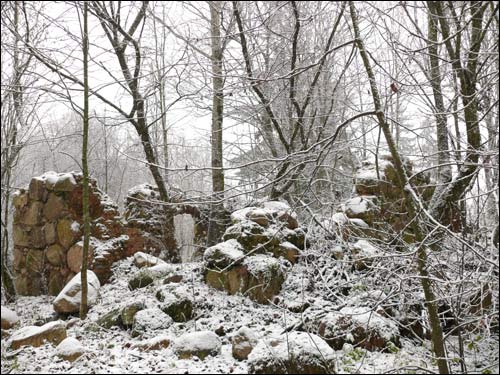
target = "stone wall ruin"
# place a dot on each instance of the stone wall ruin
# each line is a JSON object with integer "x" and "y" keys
{"x": 378, "y": 208}
{"x": 48, "y": 229}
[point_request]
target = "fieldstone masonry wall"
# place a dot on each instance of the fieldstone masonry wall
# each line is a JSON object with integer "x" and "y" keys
{"x": 47, "y": 233}
{"x": 147, "y": 224}
{"x": 48, "y": 230}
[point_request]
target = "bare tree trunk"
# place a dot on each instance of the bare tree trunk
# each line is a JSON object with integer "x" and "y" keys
{"x": 85, "y": 168}
{"x": 216, "y": 226}
{"x": 9, "y": 157}
{"x": 467, "y": 76}
{"x": 137, "y": 117}
{"x": 444, "y": 168}
{"x": 404, "y": 185}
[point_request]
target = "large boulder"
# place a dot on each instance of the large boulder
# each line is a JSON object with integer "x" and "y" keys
{"x": 224, "y": 254}
{"x": 175, "y": 303}
{"x": 362, "y": 207}
{"x": 75, "y": 255}
{"x": 292, "y": 353}
{"x": 128, "y": 313}
{"x": 358, "y": 326}
{"x": 111, "y": 319}
{"x": 364, "y": 254}
{"x": 200, "y": 344}
{"x": 53, "y": 332}
{"x": 150, "y": 320}
{"x": 70, "y": 349}
{"x": 9, "y": 318}
{"x": 265, "y": 277}
{"x": 259, "y": 277}
{"x": 68, "y": 300}
{"x": 147, "y": 275}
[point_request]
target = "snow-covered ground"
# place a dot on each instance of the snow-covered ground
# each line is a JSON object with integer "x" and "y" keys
{"x": 113, "y": 351}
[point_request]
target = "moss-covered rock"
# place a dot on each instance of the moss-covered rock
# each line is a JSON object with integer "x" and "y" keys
{"x": 251, "y": 236}
{"x": 141, "y": 279}
{"x": 128, "y": 313}
{"x": 177, "y": 305}
{"x": 20, "y": 199}
{"x": 224, "y": 254}
{"x": 35, "y": 261}
{"x": 50, "y": 232}
{"x": 111, "y": 319}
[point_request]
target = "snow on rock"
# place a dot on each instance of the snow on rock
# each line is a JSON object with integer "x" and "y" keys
{"x": 362, "y": 207}
{"x": 70, "y": 349}
{"x": 359, "y": 223}
{"x": 75, "y": 227}
{"x": 57, "y": 181}
{"x": 259, "y": 216}
{"x": 224, "y": 254}
{"x": 368, "y": 170}
{"x": 53, "y": 332}
{"x": 143, "y": 191}
{"x": 68, "y": 300}
{"x": 356, "y": 205}
{"x": 241, "y": 215}
{"x": 286, "y": 250}
{"x": 243, "y": 343}
{"x": 155, "y": 343}
{"x": 364, "y": 254}
{"x": 146, "y": 260}
{"x": 338, "y": 218}
{"x": 282, "y": 212}
{"x": 263, "y": 266}
{"x": 292, "y": 353}
{"x": 161, "y": 270}
{"x": 151, "y": 319}
{"x": 176, "y": 303}
{"x": 9, "y": 318}
{"x": 147, "y": 275}
{"x": 359, "y": 326}
{"x": 264, "y": 212}
{"x": 200, "y": 344}
{"x": 266, "y": 274}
